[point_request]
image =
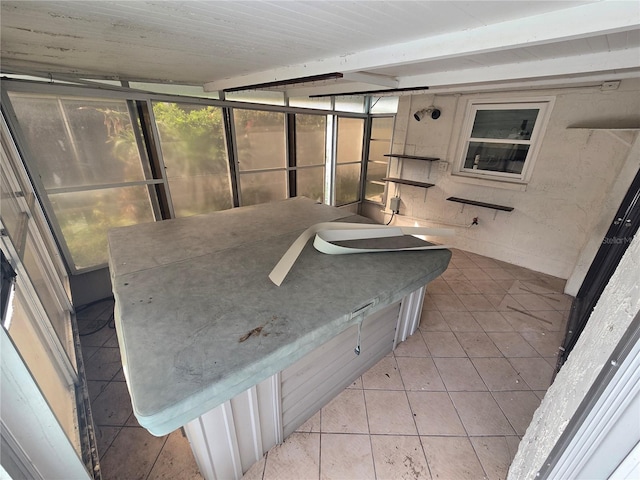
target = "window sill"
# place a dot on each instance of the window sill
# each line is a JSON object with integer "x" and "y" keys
{"x": 489, "y": 182}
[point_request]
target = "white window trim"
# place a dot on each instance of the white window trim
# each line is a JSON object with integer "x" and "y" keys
{"x": 544, "y": 104}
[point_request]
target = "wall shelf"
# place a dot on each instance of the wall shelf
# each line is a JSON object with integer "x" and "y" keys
{"x": 481, "y": 204}
{"x": 412, "y": 157}
{"x": 413, "y": 183}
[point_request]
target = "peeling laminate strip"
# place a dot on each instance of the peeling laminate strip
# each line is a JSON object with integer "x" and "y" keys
{"x": 327, "y": 232}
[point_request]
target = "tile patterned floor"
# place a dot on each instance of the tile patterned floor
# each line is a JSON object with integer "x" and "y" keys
{"x": 451, "y": 402}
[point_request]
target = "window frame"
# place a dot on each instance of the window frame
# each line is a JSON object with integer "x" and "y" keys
{"x": 544, "y": 105}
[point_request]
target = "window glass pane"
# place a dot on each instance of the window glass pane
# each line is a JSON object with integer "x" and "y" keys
{"x": 265, "y": 97}
{"x": 260, "y": 138}
{"x": 37, "y": 356}
{"x": 384, "y": 104}
{"x": 347, "y": 183}
{"x": 511, "y": 124}
{"x": 194, "y": 152}
{"x": 375, "y": 192}
{"x": 13, "y": 219}
{"x": 310, "y": 183}
{"x": 37, "y": 273}
{"x": 323, "y": 103}
{"x": 311, "y": 131}
{"x": 496, "y": 157}
{"x": 172, "y": 89}
{"x": 85, "y": 217}
{"x": 376, "y": 171}
{"x": 350, "y": 133}
{"x": 381, "y": 128}
{"x": 353, "y": 103}
{"x": 79, "y": 142}
{"x": 263, "y": 187}
{"x": 378, "y": 150}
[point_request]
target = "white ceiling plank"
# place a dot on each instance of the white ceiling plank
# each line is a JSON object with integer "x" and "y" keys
{"x": 584, "y": 64}
{"x": 547, "y": 28}
{"x": 372, "y": 79}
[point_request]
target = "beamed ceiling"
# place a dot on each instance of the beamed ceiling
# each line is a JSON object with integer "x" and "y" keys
{"x": 333, "y": 46}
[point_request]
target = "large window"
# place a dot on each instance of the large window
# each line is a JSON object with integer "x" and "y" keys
{"x": 501, "y": 140}
{"x": 195, "y": 157}
{"x": 102, "y": 159}
{"x": 349, "y": 160}
{"x": 87, "y": 158}
{"x": 377, "y": 164}
{"x": 309, "y": 164}
{"x": 261, "y": 144}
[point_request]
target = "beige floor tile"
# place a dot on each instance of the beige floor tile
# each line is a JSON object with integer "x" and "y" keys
{"x": 499, "y": 375}
{"x": 475, "y": 274}
{"x": 477, "y": 344}
{"x": 540, "y": 393}
{"x": 538, "y": 321}
{"x": 439, "y": 285}
{"x": 443, "y": 344}
{"x": 345, "y": 414}
{"x": 494, "y": 454}
{"x": 480, "y": 414}
{"x": 96, "y": 387}
{"x": 463, "y": 287}
{"x": 452, "y": 458}
{"x": 97, "y": 339}
{"x": 521, "y": 273}
{"x": 499, "y": 274}
{"x": 103, "y": 364}
{"x": 311, "y": 425}
{"x": 413, "y": 346}
{"x": 112, "y": 342}
{"x": 175, "y": 460}
{"x": 87, "y": 352}
{"x": 399, "y": 458}
{"x": 104, "y": 438}
{"x": 131, "y": 455}
{"x": 459, "y": 375}
{"x": 488, "y": 287}
{"x": 477, "y": 303}
{"x": 448, "y": 303}
{"x": 492, "y": 321}
{"x": 453, "y": 274}
{"x": 113, "y": 406}
{"x": 295, "y": 459}
{"x": 531, "y": 301}
{"x": 389, "y": 413}
{"x": 535, "y": 371}
{"x": 256, "y": 471}
{"x": 518, "y": 407}
{"x": 435, "y": 414}
{"x": 463, "y": 262}
{"x": 346, "y": 456}
{"x": 384, "y": 375}
{"x": 357, "y": 383}
{"x": 461, "y": 321}
{"x": 419, "y": 374}
{"x": 428, "y": 303}
{"x": 547, "y": 344}
{"x": 512, "y": 344}
{"x": 433, "y": 321}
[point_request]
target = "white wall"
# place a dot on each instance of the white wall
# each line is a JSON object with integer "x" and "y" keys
{"x": 618, "y": 305}
{"x": 578, "y": 182}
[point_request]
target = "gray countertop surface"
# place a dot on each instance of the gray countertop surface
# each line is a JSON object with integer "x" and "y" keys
{"x": 189, "y": 290}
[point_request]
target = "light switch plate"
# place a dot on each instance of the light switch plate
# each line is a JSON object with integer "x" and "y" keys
{"x": 443, "y": 166}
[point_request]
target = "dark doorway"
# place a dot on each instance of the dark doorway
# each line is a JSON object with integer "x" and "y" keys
{"x": 621, "y": 231}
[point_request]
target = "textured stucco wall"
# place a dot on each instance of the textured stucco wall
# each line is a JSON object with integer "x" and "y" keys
{"x": 579, "y": 179}
{"x": 617, "y": 307}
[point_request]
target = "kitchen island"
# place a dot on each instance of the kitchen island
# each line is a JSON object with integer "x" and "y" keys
{"x": 210, "y": 344}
